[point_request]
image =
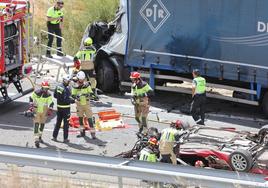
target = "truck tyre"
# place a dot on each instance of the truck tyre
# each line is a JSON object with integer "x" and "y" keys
{"x": 264, "y": 104}
{"x": 106, "y": 77}
{"x": 241, "y": 160}
{"x": 263, "y": 135}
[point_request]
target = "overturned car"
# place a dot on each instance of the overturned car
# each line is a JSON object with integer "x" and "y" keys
{"x": 221, "y": 148}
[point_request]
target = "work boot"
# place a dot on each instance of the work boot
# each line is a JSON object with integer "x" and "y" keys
{"x": 49, "y": 56}
{"x": 82, "y": 134}
{"x": 93, "y": 135}
{"x": 66, "y": 141}
{"x": 37, "y": 144}
{"x": 41, "y": 140}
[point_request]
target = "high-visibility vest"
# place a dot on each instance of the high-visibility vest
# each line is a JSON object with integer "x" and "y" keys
{"x": 83, "y": 92}
{"x": 86, "y": 54}
{"x": 200, "y": 87}
{"x": 147, "y": 155}
{"x": 140, "y": 90}
{"x": 168, "y": 134}
{"x": 53, "y": 13}
{"x": 41, "y": 101}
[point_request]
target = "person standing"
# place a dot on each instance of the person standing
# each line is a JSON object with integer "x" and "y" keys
{"x": 140, "y": 91}
{"x": 82, "y": 93}
{"x": 86, "y": 56}
{"x": 42, "y": 105}
{"x": 199, "y": 98}
{"x": 54, "y": 26}
{"x": 63, "y": 95}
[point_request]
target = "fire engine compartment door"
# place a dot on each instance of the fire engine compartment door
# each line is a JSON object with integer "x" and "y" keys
{"x": 12, "y": 48}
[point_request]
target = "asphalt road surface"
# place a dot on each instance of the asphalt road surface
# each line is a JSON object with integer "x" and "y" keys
{"x": 165, "y": 107}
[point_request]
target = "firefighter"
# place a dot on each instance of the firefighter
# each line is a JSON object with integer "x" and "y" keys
{"x": 63, "y": 95}
{"x": 82, "y": 93}
{"x": 41, "y": 102}
{"x": 54, "y": 26}
{"x": 199, "y": 98}
{"x": 86, "y": 56}
{"x": 140, "y": 91}
{"x": 150, "y": 152}
{"x": 169, "y": 141}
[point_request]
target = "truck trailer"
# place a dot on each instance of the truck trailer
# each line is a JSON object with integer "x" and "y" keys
{"x": 166, "y": 39}
{"x": 15, "y": 43}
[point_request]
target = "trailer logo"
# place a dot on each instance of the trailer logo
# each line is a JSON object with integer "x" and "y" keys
{"x": 262, "y": 27}
{"x": 155, "y": 14}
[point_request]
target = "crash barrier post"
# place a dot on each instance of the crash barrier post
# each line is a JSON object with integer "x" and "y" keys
{"x": 125, "y": 168}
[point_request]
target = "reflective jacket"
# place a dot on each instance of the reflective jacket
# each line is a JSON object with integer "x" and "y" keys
{"x": 142, "y": 89}
{"x": 54, "y": 13}
{"x": 63, "y": 95}
{"x": 41, "y": 100}
{"x": 86, "y": 54}
{"x": 167, "y": 140}
{"x": 200, "y": 85}
{"x": 82, "y": 93}
{"x": 147, "y": 154}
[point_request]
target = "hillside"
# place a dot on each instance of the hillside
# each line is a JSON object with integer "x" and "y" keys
{"x": 77, "y": 16}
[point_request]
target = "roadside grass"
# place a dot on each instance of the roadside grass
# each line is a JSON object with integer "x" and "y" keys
{"x": 78, "y": 14}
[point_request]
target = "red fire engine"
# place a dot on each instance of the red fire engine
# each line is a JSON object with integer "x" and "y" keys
{"x": 14, "y": 46}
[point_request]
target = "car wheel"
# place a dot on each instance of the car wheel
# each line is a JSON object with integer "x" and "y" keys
{"x": 263, "y": 135}
{"x": 106, "y": 77}
{"x": 241, "y": 160}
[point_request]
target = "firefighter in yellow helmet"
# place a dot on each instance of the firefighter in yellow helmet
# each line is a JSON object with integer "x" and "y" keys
{"x": 86, "y": 57}
{"x": 82, "y": 93}
{"x": 42, "y": 105}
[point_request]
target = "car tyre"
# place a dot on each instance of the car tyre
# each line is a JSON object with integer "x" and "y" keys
{"x": 241, "y": 160}
{"x": 263, "y": 135}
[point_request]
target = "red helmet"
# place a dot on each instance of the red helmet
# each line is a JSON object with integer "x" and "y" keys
{"x": 153, "y": 141}
{"x": 199, "y": 163}
{"x": 177, "y": 124}
{"x": 45, "y": 84}
{"x": 135, "y": 75}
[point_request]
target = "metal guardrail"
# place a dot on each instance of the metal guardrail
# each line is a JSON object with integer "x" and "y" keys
{"x": 154, "y": 172}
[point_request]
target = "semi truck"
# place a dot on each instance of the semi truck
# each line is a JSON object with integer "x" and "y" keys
{"x": 166, "y": 39}
{"x": 15, "y": 43}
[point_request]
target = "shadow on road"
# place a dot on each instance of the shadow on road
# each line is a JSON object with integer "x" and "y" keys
{"x": 218, "y": 110}
{"x": 12, "y": 114}
{"x": 96, "y": 141}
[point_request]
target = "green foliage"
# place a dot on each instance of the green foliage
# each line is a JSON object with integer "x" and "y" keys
{"x": 78, "y": 14}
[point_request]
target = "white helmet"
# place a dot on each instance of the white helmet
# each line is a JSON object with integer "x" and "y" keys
{"x": 81, "y": 75}
{"x": 66, "y": 78}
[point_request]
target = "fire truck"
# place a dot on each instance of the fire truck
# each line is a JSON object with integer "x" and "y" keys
{"x": 15, "y": 19}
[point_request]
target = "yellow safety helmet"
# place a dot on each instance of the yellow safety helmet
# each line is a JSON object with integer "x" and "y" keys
{"x": 88, "y": 41}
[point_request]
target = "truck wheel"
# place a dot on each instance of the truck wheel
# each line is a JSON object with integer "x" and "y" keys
{"x": 263, "y": 135}
{"x": 106, "y": 77}
{"x": 241, "y": 160}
